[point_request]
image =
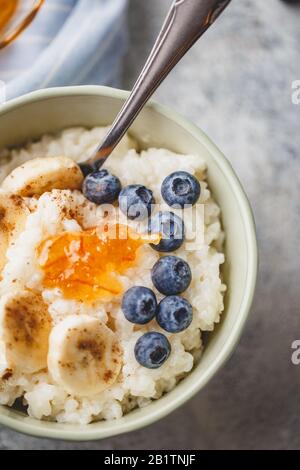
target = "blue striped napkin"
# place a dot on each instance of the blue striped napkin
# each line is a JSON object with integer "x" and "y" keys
{"x": 71, "y": 42}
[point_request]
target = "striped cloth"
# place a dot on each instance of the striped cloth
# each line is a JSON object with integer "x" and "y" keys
{"x": 71, "y": 42}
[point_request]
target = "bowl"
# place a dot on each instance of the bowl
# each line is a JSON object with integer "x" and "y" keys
{"x": 48, "y": 111}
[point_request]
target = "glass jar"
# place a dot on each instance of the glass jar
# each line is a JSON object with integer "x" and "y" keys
{"x": 15, "y": 16}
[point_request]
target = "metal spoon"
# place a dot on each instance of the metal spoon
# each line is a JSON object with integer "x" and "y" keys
{"x": 186, "y": 21}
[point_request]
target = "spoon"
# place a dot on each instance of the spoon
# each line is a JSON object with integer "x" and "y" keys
{"x": 186, "y": 21}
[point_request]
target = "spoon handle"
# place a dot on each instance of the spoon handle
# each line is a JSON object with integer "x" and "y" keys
{"x": 186, "y": 21}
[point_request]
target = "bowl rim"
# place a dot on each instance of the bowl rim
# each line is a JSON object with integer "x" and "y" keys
{"x": 156, "y": 412}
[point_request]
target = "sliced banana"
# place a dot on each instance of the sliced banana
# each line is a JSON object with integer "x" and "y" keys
{"x": 25, "y": 325}
{"x": 84, "y": 355}
{"x": 13, "y": 215}
{"x": 43, "y": 174}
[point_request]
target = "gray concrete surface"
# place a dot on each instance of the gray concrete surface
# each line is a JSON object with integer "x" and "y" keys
{"x": 236, "y": 84}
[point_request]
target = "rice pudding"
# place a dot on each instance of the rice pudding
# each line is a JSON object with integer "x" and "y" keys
{"x": 91, "y": 326}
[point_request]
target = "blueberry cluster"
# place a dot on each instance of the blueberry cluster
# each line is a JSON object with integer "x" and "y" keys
{"x": 171, "y": 275}
{"x": 135, "y": 200}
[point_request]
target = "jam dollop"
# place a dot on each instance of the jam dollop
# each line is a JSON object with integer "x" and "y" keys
{"x": 86, "y": 265}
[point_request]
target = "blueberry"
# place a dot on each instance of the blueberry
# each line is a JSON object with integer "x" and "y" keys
{"x": 171, "y": 275}
{"x": 101, "y": 187}
{"x": 171, "y": 228}
{"x": 174, "y": 314}
{"x": 180, "y": 189}
{"x": 152, "y": 350}
{"x": 135, "y": 201}
{"x": 139, "y": 305}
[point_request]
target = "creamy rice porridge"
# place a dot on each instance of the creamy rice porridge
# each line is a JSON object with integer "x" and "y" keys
{"x": 70, "y": 334}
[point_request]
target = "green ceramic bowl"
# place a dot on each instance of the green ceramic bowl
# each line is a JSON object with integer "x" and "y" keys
{"x": 29, "y": 117}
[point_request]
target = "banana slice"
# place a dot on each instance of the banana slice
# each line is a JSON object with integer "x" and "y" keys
{"x": 13, "y": 215}
{"x": 25, "y": 325}
{"x": 84, "y": 355}
{"x": 43, "y": 174}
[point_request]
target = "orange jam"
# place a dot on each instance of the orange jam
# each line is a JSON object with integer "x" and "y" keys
{"x": 7, "y": 9}
{"x": 85, "y": 265}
